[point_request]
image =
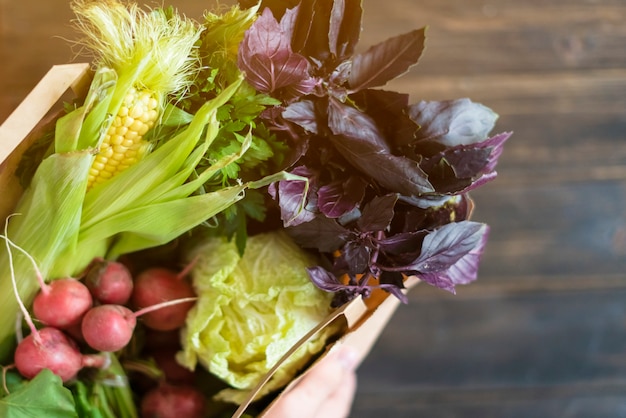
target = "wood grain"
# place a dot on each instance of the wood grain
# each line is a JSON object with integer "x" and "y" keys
{"x": 542, "y": 332}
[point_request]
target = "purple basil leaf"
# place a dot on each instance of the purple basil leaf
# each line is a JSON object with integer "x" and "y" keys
{"x": 453, "y": 122}
{"x": 496, "y": 143}
{"x": 302, "y": 113}
{"x": 386, "y": 60}
{"x": 324, "y": 280}
{"x": 351, "y": 123}
{"x": 291, "y": 194}
{"x": 266, "y": 58}
{"x": 356, "y": 256}
{"x": 345, "y": 27}
{"x": 402, "y": 248}
{"x": 464, "y": 271}
{"x": 310, "y": 36}
{"x": 339, "y": 76}
{"x": 393, "y": 282}
{"x": 322, "y": 233}
{"x": 442, "y": 177}
{"x": 484, "y": 179}
{"x": 464, "y": 167}
{"x": 340, "y": 197}
{"x": 438, "y": 279}
{"x": 450, "y": 255}
{"x": 426, "y": 201}
{"x": 388, "y": 109}
{"x": 378, "y": 213}
{"x": 397, "y": 292}
{"x": 393, "y": 278}
{"x": 443, "y": 247}
{"x": 410, "y": 217}
{"x": 467, "y": 162}
{"x": 358, "y": 139}
{"x": 326, "y": 31}
{"x": 349, "y": 217}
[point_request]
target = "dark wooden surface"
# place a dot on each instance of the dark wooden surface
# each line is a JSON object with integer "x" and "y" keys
{"x": 543, "y": 331}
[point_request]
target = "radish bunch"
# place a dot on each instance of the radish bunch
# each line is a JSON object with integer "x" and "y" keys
{"x": 95, "y": 312}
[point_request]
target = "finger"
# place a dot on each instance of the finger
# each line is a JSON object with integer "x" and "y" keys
{"x": 317, "y": 386}
{"x": 339, "y": 403}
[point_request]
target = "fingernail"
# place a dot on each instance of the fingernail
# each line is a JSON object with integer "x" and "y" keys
{"x": 348, "y": 357}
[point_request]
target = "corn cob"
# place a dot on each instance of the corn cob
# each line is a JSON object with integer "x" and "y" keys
{"x": 123, "y": 145}
{"x": 153, "y": 55}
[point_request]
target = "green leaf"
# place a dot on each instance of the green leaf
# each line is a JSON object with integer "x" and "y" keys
{"x": 175, "y": 116}
{"x": 44, "y": 396}
{"x": 82, "y": 128}
{"x": 160, "y": 223}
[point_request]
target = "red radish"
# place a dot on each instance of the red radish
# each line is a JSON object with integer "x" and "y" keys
{"x": 58, "y": 304}
{"x": 109, "y": 282}
{"x": 48, "y": 348}
{"x": 167, "y": 401}
{"x": 62, "y": 303}
{"x": 158, "y": 285}
{"x": 110, "y": 327}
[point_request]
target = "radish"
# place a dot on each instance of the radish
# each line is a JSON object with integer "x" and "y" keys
{"x": 110, "y": 282}
{"x": 167, "y": 401}
{"x": 59, "y": 304}
{"x": 48, "y": 348}
{"x": 158, "y": 285}
{"x": 62, "y": 302}
{"x": 110, "y": 327}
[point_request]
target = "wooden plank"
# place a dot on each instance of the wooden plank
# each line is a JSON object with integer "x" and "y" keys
{"x": 561, "y": 149}
{"x": 555, "y": 353}
{"x": 487, "y": 287}
{"x": 599, "y": 401}
{"x": 547, "y": 230}
{"x": 523, "y": 93}
{"x": 474, "y": 37}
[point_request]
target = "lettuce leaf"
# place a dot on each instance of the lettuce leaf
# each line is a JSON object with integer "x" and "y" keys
{"x": 251, "y": 310}
{"x": 44, "y": 396}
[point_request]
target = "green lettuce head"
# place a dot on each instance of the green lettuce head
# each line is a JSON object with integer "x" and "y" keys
{"x": 251, "y": 310}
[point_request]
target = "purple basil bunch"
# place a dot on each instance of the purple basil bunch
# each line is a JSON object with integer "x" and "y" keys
{"x": 382, "y": 185}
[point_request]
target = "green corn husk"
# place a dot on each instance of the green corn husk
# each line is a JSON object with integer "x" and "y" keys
{"x": 63, "y": 228}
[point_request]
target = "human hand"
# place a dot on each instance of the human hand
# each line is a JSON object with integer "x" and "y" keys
{"x": 327, "y": 391}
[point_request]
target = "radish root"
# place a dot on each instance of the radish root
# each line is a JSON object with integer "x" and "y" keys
{"x": 10, "y": 244}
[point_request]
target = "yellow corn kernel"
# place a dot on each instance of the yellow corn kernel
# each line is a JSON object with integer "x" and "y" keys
{"x": 123, "y": 144}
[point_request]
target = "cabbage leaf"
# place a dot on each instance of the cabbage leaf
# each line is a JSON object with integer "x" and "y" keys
{"x": 251, "y": 310}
